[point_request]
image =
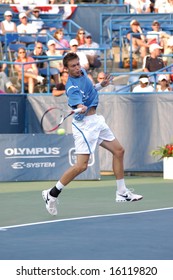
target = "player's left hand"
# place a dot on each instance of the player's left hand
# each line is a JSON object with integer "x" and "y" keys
{"x": 107, "y": 80}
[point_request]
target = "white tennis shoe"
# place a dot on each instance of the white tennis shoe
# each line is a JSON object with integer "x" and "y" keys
{"x": 51, "y": 202}
{"x": 127, "y": 196}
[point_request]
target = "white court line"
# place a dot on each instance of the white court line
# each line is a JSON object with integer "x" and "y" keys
{"x": 86, "y": 217}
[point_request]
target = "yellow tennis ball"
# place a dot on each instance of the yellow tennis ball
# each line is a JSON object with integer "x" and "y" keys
{"x": 61, "y": 131}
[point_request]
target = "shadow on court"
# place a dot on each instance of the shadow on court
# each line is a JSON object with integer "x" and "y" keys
{"x": 90, "y": 225}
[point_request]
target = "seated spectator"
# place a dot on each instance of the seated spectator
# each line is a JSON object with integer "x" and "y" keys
{"x": 5, "y": 83}
{"x": 60, "y": 41}
{"x": 30, "y": 70}
{"x": 137, "y": 39}
{"x": 153, "y": 62}
{"x": 163, "y": 84}
{"x": 143, "y": 6}
{"x": 110, "y": 88}
{"x": 25, "y": 27}
{"x": 80, "y": 36}
{"x": 55, "y": 64}
{"x": 144, "y": 85}
{"x": 160, "y": 6}
{"x": 34, "y": 15}
{"x": 37, "y": 54}
{"x": 7, "y": 25}
{"x": 60, "y": 88}
{"x": 169, "y": 6}
{"x": 168, "y": 51}
{"x": 92, "y": 54}
{"x": 157, "y": 35}
{"x": 133, "y": 5}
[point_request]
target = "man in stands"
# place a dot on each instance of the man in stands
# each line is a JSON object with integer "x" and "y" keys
{"x": 25, "y": 27}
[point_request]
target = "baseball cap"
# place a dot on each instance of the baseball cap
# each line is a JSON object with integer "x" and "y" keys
{"x": 88, "y": 35}
{"x": 162, "y": 77}
{"x": 144, "y": 80}
{"x": 73, "y": 42}
{"x": 153, "y": 47}
{"x": 134, "y": 22}
{"x": 22, "y": 15}
{"x": 155, "y": 22}
{"x": 51, "y": 42}
{"x": 36, "y": 10}
{"x": 8, "y": 13}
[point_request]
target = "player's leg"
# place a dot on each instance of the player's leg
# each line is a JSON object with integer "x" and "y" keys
{"x": 122, "y": 193}
{"x": 50, "y": 196}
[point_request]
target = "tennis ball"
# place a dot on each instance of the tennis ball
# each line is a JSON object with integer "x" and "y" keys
{"x": 61, "y": 131}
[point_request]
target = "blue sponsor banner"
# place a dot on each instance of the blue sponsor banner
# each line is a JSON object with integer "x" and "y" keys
{"x": 37, "y": 157}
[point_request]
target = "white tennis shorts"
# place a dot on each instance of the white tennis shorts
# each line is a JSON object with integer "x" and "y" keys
{"x": 89, "y": 132}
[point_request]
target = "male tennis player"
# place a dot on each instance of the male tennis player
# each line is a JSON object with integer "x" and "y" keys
{"x": 89, "y": 129}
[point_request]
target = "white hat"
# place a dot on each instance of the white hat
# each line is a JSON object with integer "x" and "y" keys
{"x": 51, "y": 42}
{"x": 73, "y": 42}
{"x": 170, "y": 42}
{"x": 153, "y": 47}
{"x": 22, "y": 15}
{"x": 8, "y": 13}
{"x": 134, "y": 22}
{"x": 162, "y": 77}
{"x": 144, "y": 80}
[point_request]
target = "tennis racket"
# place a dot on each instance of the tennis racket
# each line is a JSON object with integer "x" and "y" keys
{"x": 54, "y": 117}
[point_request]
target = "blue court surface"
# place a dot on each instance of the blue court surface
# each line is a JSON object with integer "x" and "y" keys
{"x": 90, "y": 225}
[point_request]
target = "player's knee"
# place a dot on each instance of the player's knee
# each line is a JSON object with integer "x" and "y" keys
{"x": 81, "y": 168}
{"x": 120, "y": 152}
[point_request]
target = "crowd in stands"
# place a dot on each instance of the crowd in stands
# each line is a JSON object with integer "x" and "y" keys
{"x": 154, "y": 47}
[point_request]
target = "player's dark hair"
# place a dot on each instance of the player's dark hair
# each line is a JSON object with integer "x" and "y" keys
{"x": 68, "y": 57}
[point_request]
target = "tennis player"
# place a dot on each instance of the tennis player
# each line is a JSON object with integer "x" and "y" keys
{"x": 89, "y": 129}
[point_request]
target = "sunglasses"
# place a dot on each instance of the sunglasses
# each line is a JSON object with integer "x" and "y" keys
{"x": 81, "y": 32}
{"x": 100, "y": 78}
{"x": 39, "y": 47}
{"x": 22, "y": 52}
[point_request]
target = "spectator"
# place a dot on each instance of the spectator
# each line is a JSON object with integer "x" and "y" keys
{"x": 160, "y": 6}
{"x": 133, "y": 5}
{"x": 109, "y": 88}
{"x": 168, "y": 51}
{"x": 7, "y": 25}
{"x": 61, "y": 43}
{"x": 5, "y": 83}
{"x": 163, "y": 84}
{"x": 25, "y": 27}
{"x": 138, "y": 39}
{"x": 60, "y": 88}
{"x": 34, "y": 15}
{"x": 37, "y": 54}
{"x": 56, "y": 64}
{"x": 30, "y": 70}
{"x": 80, "y": 36}
{"x": 144, "y": 85}
{"x": 92, "y": 54}
{"x": 153, "y": 62}
{"x": 157, "y": 35}
{"x": 169, "y": 6}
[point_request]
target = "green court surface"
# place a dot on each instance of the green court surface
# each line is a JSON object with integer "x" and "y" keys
{"x": 21, "y": 202}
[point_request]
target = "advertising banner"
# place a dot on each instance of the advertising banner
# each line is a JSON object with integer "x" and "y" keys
{"x": 40, "y": 157}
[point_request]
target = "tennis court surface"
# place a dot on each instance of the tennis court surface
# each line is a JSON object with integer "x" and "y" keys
{"x": 90, "y": 225}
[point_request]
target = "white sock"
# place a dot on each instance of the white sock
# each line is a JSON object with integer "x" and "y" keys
{"x": 121, "y": 187}
{"x": 59, "y": 186}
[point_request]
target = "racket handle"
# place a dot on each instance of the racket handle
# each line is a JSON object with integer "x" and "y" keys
{"x": 78, "y": 110}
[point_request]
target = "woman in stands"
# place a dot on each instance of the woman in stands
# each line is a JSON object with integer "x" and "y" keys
{"x": 80, "y": 36}
{"x": 61, "y": 43}
{"x": 30, "y": 70}
{"x": 7, "y": 25}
